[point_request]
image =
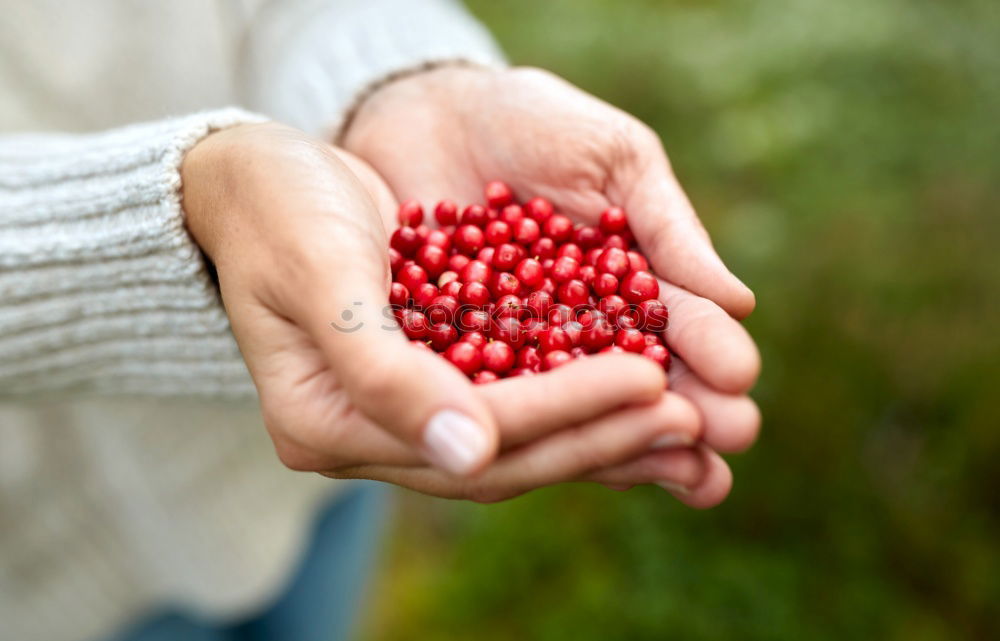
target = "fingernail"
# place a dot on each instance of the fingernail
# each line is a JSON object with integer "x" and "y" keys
{"x": 455, "y": 442}
{"x": 676, "y": 488}
{"x": 671, "y": 440}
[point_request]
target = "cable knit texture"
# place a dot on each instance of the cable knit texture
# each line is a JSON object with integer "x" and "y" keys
{"x": 113, "y": 504}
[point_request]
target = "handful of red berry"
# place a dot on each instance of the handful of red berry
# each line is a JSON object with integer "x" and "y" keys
{"x": 508, "y": 289}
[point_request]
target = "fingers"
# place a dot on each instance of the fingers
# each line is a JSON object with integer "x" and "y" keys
{"x": 715, "y": 346}
{"x": 528, "y": 407}
{"x": 714, "y": 486}
{"x": 731, "y": 421}
{"x": 564, "y": 456}
{"x": 669, "y": 231}
{"x": 680, "y": 468}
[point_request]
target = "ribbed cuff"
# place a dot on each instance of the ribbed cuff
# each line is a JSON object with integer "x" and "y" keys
{"x": 101, "y": 286}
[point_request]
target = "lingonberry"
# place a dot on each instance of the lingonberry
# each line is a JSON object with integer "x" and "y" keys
{"x": 605, "y": 285}
{"x": 508, "y": 305}
{"x": 503, "y": 283}
{"x": 573, "y": 293}
{"x": 509, "y": 330}
{"x": 613, "y": 220}
{"x": 572, "y": 250}
{"x": 532, "y": 328}
{"x": 443, "y": 309}
{"x": 597, "y": 334}
{"x": 548, "y": 286}
{"x": 543, "y": 249}
{"x": 539, "y": 209}
{"x": 398, "y": 295}
{"x": 564, "y": 269}
{"x": 528, "y": 358}
{"x": 439, "y": 238}
{"x": 505, "y": 257}
{"x": 558, "y": 228}
{"x": 474, "y": 293}
{"x": 587, "y": 274}
{"x": 538, "y": 303}
{"x": 630, "y": 340}
{"x": 497, "y": 233}
{"x": 652, "y": 315}
{"x": 613, "y": 261}
{"x": 560, "y": 313}
{"x": 627, "y": 320}
{"x": 424, "y": 294}
{"x": 475, "y": 320}
{"x": 588, "y": 237}
{"x": 553, "y": 338}
{"x": 616, "y": 241}
{"x": 639, "y": 286}
{"x": 412, "y": 276}
{"x": 410, "y": 213}
{"x": 486, "y": 255}
{"x": 526, "y": 231}
{"x": 405, "y": 241}
{"x": 529, "y": 271}
{"x": 468, "y": 239}
{"x": 651, "y": 339}
{"x": 433, "y": 259}
{"x": 475, "y": 215}
{"x": 441, "y": 336}
{"x": 446, "y": 213}
{"x": 658, "y": 354}
{"x": 512, "y": 214}
{"x": 476, "y": 338}
{"x": 637, "y": 262}
{"x": 458, "y": 261}
{"x": 613, "y": 306}
{"x": 423, "y": 231}
{"x": 476, "y": 270}
{"x": 452, "y": 288}
{"x": 555, "y": 359}
{"x": 395, "y": 260}
{"x": 573, "y": 329}
{"x": 498, "y": 356}
{"x": 484, "y": 376}
{"x": 590, "y": 258}
{"x": 414, "y": 324}
{"x": 498, "y": 194}
{"x": 447, "y": 277}
{"x": 464, "y": 356}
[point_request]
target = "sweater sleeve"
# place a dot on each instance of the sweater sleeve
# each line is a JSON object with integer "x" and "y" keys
{"x": 305, "y": 63}
{"x": 101, "y": 287}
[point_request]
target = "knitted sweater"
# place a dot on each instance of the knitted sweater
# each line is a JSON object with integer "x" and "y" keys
{"x": 135, "y": 472}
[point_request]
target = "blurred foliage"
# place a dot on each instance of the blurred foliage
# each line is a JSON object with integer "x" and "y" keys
{"x": 846, "y": 157}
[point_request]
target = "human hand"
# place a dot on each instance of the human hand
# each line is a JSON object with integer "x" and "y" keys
{"x": 296, "y": 231}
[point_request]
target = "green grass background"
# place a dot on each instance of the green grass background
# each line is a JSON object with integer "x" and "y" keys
{"x": 845, "y": 156}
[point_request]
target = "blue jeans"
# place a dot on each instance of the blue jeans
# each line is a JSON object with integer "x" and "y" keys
{"x": 324, "y": 596}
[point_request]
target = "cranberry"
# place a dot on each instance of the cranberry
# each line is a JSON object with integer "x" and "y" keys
{"x": 571, "y": 250}
{"x": 498, "y": 194}
{"x": 509, "y": 330}
{"x": 497, "y": 233}
{"x": 528, "y": 358}
{"x": 410, "y": 213}
{"x": 555, "y": 359}
{"x": 558, "y": 228}
{"x": 476, "y": 270}
{"x": 475, "y": 320}
{"x": 468, "y": 239}
{"x": 395, "y": 260}
{"x": 630, "y": 340}
{"x": 414, "y": 324}
{"x": 512, "y": 214}
{"x": 458, "y": 261}
{"x": 573, "y": 293}
{"x": 476, "y": 338}
{"x": 498, "y": 357}
{"x": 452, "y": 288}
{"x": 653, "y": 315}
{"x": 526, "y": 231}
{"x": 441, "y": 336}
{"x": 465, "y": 356}
{"x": 503, "y": 283}
{"x": 539, "y": 209}
{"x": 475, "y": 215}
{"x": 412, "y": 276}
{"x": 433, "y": 259}
{"x": 505, "y": 257}
{"x": 543, "y": 248}
{"x": 405, "y": 241}
{"x": 613, "y": 306}
{"x": 474, "y": 293}
{"x": 554, "y": 338}
{"x": 588, "y": 237}
{"x": 613, "y": 220}
{"x": 424, "y": 294}
{"x": 564, "y": 269}
{"x": 484, "y": 376}
{"x": 508, "y": 305}
{"x": 446, "y": 213}
{"x": 597, "y": 334}
{"x": 538, "y": 303}
{"x": 529, "y": 271}
{"x": 605, "y": 285}
{"x": 613, "y": 261}
{"x": 637, "y": 262}
{"x": 658, "y": 354}
{"x": 639, "y": 286}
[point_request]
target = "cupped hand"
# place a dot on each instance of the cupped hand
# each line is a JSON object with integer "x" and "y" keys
{"x": 296, "y": 232}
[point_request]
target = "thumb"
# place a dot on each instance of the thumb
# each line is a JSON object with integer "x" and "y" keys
{"x": 412, "y": 393}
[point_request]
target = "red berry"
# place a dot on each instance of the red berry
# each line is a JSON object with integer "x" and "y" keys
{"x": 613, "y": 305}
{"x": 577, "y": 352}
{"x": 508, "y": 305}
{"x": 505, "y": 257}
{"x": 528, "y": 358}
{"x": 639, "y": 286}
{"x": 637, "y": 262}
{"x": 651, "y": 339}
{"x": 538, "y": 303}
{"x": 475, "y": 320}
{"x": 512, "y": 214}
{"x": 475, "y": 215}
{"x": 532, "y": 328}
{"x": 465, "y": 356}
{"x": 395, "y": 260}
{"x": 587, "y": 274}
{"x": 548, "y": 286}
{"x": 605, "y": 285}
{"x": 572, "y": 250}
{"x": 410, "y": 213}
{"x": 564, "y": 269}
{"x": 497, "y": 233}
{"x": 451, "y": 288}
{"x": 476, "y": 338}
{"x": 509, "y": 330}
{"x": 559, "y": 314}
{"x": 538, "y": 209}
{"x": 627, "y": 320}
{"x": 474, "y": 293}
{"x": 498, "y": 356}
{"x": 597, "y": 334}
{"x": 423, "y": 231}
{"x": 440, "y": 238}
{"x": 555, "y": 359}
{"x": 441, "y": 336}
{"x": 458, "y": 261}
{"x": 446, "y": 213}
{"x": 590, "y": 258}
{"x": 657, "y": 354}
{"x": 573, "y": 293}
{"x": 443, "y": 309}
{"x": 447, "y": 277}
{"x": 613, "y": 261}
{"x": 573, "y": 329}
{"x": 616, "y": 241}
{"x": 652, "y": 315}
{"x": 482, "y": 377}
{"x": 486, "y": 255}
{"x": 588, "y": 237}
{"x": 526, "y": 231}
{"x": 433, "y": 259}
{"x": 476, "y": 270}
{"x": 424, "y": 294}
{"x": 405, "y": 241}
{"x": 558, "y": 228}
{"x": 503, "y": 283}
{"x": 414, "y": 324}
{"x": 543, "y": 248}
{"x": 468, "y": 239}
{"x": 529, "y": 271}
{"x": 613, "y": 220}
{"x": 412, "y": 276}
{"x": 398, "y": 295}
{"x": 630, "y": 340}
{"x": 498, "y": 194}
{"x": 554, "y": 338}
